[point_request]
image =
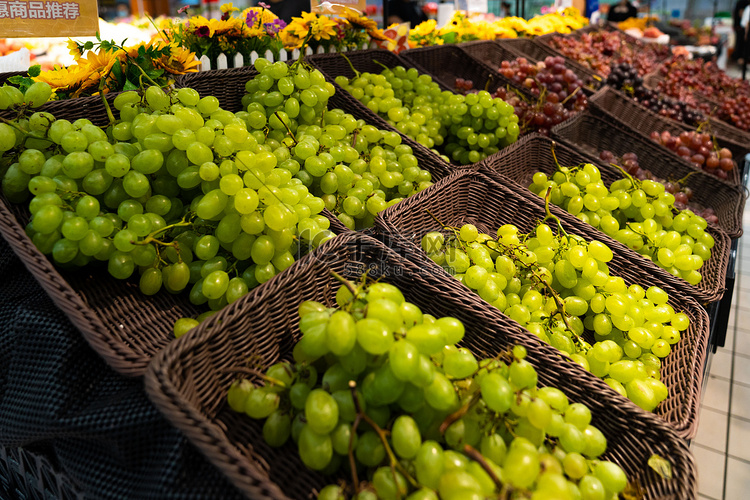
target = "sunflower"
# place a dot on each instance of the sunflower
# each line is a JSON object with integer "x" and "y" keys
{"x": 101, "y": 62}
{"x": 290, "y": 40}
{"x": 63, "y": 79}
{"x": 179, "y": 61}
{"x": 320, "y": 27}
{"x": 358, "y": 21}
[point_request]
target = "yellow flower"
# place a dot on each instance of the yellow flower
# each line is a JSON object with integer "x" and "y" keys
{"x": 63, "y": 79}
{"x": 178, "y": 62}
{"x": 377, "y": 34}
{"x": 228, "y": 7}
{"x": 73, "y": 48}
{"x": 320, "y": 27}
{"x": 425, "y": 28}
{"x": 102, "y": 61}
{"x": 358, "y": 21}
{"x": 290, "y": 40}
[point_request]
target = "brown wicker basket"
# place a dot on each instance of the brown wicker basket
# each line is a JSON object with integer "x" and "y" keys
{"x": 545, "y": 42}
{"x": 333, "y": 65}
{"x": 476, "y": 198}
{"x": 188, "y": 382}
{"x": 532, "y": 154}
{"x": 617, "y": 107}
{"x": 535, "y": 51}
{"x": 447, "y": 62}
{"x": 652, "y": 81}
{"x": 492, "y": 54}
{"x": 27, "y": 475}
{"x": 122, "y": 325}
{"x": 593, "y": 135}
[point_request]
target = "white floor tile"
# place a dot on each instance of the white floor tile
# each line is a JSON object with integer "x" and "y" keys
{"x": 716, "y": 395}
{"x": 739, "y": 437}
{"x": 741, "y": 368}
{"x": 712, "y": 430}
{"x": 738, "y": 479}
{"x": 741, "y": 401}
{"x": 710, "y": 471}
{"x": 742, "y": 342}
{"x": 721, "y": 363}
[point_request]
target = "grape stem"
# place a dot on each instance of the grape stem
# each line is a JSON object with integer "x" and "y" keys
{"x": 356, "y": 73}
{"x": 684, "y": 179}
{"x": 550, "y": 216}
{"x": 103, "y": 95}
{"x": 571, "y": 95}
{"x": 456, "y": 415}
{"x": 475, "y": 455}
{"x": 395, "y": 464}
{"x": 453, "y": 229}
{"x": 14, "y": 125}
{"x": 636, "y": 182}
{"x": 348, "y": 284}
{"x": 289, "y": 130}
{"x": 380, "y": 64}
{"x": 256, "y": 373}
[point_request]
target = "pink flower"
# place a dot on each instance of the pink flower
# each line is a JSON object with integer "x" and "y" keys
{"x": 264, "y": 5}
{"x": 203, "y": 31}
{"x": 183, "y": 9}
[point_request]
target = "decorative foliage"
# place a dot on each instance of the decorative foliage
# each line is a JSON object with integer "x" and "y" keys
{"x": 105, "y": 66}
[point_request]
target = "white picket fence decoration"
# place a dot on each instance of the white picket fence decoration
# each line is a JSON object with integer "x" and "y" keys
{"x": 284, "y": 55}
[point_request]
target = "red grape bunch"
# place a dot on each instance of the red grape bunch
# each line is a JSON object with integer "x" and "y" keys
{"x": 700, "y": 150}
{"x": 600, "y": 49}
{"x": 625, "y": 77}
{"x": 682, "y": 194}
{"x": 681, "y": 79}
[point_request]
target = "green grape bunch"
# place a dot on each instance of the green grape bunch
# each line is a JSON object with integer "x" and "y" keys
{"x": 178, "y": 191}
{"x": 355, "y": 168}
{"x": 559, "y": 287}
{"x": 466, "y": 129}
{"x": 185, "y": 195}
{"x": 639, "y": 214}
{"x": 380, "y": 393}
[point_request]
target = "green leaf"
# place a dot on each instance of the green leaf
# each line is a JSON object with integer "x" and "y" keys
{"x": 449, "y": 37}
{"x": 661, "y": 465}
{"x": 35, "y": 70}
{"x": 97, "y": 36}
{"x": 129, "y": 86}
{"x": 16, "y": 80}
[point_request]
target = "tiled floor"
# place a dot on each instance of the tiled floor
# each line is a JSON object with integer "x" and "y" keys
{"x": 722, "y": 446}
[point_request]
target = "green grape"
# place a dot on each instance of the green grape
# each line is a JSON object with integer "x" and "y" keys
{"x": 406, "y": 437}
{"x": 315, "y": 450}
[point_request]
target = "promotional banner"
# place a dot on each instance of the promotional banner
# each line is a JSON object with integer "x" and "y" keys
{"x": 38, "y": 18}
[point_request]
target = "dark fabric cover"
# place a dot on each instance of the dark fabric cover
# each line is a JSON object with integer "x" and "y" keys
{"x": 97, "y": 427}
